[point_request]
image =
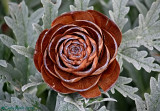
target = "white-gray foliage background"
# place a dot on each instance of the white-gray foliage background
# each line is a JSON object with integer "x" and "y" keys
{"x": 21, "y": 86}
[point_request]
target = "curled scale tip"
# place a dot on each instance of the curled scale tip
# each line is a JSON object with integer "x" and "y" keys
{"x": 78, "y": 53}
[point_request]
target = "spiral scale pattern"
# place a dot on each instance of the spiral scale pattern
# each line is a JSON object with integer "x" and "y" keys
{"x": 78, "y": 53}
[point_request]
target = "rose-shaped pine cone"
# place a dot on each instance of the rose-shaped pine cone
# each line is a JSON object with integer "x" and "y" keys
{"x": 78, "y": 53}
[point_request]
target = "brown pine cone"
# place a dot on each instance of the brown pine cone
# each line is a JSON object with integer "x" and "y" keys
{"x": 78, "y": 53}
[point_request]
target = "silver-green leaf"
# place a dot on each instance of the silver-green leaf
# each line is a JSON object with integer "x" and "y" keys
{"x": 152, "y": 100}
{"x": 37, "y": 28}
{"x": 50, "y": 12}
{"x": 61, "y": 105}
{"x": 8, "y": 41}
{"x": 142, "y": 9}
{"x": 81, "y": 5}
{"x": 139, "y": 59}
{"x": 119, "y": 12}
{"x": 124, "y": 89}
{"x": 29, "y": 103}
{"x": 27, "y": 52}
{"x": 148, "y": 31}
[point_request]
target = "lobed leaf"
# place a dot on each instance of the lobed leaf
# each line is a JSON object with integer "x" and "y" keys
{"x": 37, "y": 28}
{"x": 27, "y": 52}
{"x": 81, "y": 5}
{"x": 21, "y": 24}
{"x": 8, "y": 41}
{"x": 140, "y": 105}
{"x": 152, "y": 100}
{"x": 34, "y": 81}
{"x": 100, "y": 101}
{"x": 10, "y": 73}
{"x": 139, "y": 59}
{"x": 153, "y": 14}
{"x": 124, "y": 89}
{"x": 146, "y": 34}
{"x": 148, "y": 31}
{"x": 50, "y": 12}
{"x": 141, "y": 8}
{"x": 30, "y": 103}
{"x": 61, "y": 105}
{"x": 36, "y": 15}
{"x": 119, "y": 12}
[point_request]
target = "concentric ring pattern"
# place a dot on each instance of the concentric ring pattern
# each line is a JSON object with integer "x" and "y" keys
{"x": 78, "y": 53}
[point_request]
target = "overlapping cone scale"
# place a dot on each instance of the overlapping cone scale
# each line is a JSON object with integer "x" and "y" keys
{"x": 78, "y": 53}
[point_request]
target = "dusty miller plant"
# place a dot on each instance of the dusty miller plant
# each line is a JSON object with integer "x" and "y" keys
{"x": 23, "y": 83}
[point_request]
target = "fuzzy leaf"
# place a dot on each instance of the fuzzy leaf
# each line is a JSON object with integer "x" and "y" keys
{"x": 142, "y": 9}
{"x": 152, "y": 100}
{"x": 50, "y": 12}
{"x": 119, "y": 12}
{"x": 25, "y": 36}
{"x": 8, "y": 41}
{"x": 124, "y": 89}
{"x": 18, "y": 23}
{"x": 81, "y": 5}
{"x": 99, "y": 101}
{"x": 153, "y": 14}
{"x": 37, "y": 28}
{"x": 148, "y": 31}
{"x": 84, "y": 104}
{"x": 139, "y": 59}
{"x": 34, "y": 18}
{"x": 27, "y": 52}
{"x": 30, "y": 103}
{"x": 28, "y": 85}
{"x": 10, "y": 73}
{"x": 21, "y": 24}
{"x": 21, "y": 64}
{"x": 73, "y": 102}
{"x": 140, "y": 105}
{"x": 61, "y": 105}
{"x": 36, "y": 78}
{"x": 34, "y": 81}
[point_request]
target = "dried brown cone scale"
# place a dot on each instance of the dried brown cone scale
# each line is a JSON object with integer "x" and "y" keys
{"x": 78, "y": 53}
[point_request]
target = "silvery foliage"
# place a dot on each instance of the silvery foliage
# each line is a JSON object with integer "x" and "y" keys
{"x": 152, "y": 100}
{"x": 26, "y": 30}
{"x": 126, "y": 90}
{"x": 81, "y": 5}
{"x": 50, "y": 12}
{"x": 30, "y": 103}
{"x": 18, "y": 72}
{"x": 119, "y": 12}
{"x": 146, "y": 34}
{"x": 75, "y": 102}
